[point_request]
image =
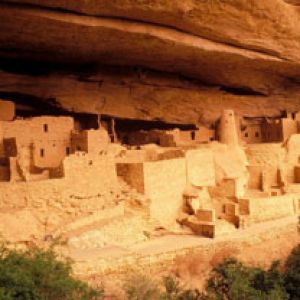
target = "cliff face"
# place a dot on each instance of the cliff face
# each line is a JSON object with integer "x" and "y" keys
{"x": 175, "y": 61}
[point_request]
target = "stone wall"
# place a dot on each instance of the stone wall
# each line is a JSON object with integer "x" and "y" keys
{"x": 282, "y": 234}
{"x": 91, "y": 173}
{"x": 271, "y": 208}
{"x": 265, "y": 154}
{"x": 90, "y": 141}
{"x": 272, "y": 131}
{"x": 164, "y": 184}
{"x": 89, "y": 187}
{"x": 49, "y": 135}
{"x": 255, "y": 177}
{"x": 293, "y": 156}
{"x": 252, "y": 134}
{"x": 200, "y": 167}
{"x": 289, "y": 127}
{"x": 39, "y": 128}
{"x": 133, "y": 174}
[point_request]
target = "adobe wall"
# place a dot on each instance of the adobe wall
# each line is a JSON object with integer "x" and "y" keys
{"x": 7, "y": 110}
{"x": 255, "y": 177}
{"x": 188, "y": 137}
{"x": 98, "y": 141}
{"x": 252, "y": 134}
{"x": 91, "y": 173}
{"x": 200, "y": 167}
{"x": 265, "y": 154}
{"x": 4, "y": 173}
{"x": 230, "y": 162}
{"x": 51, "y": 137}
{"x": 272, "y": 131}
{"x": 49, "y": 153}
{"x": 39, "y": 128}
{"x": 271, "y": 208}
{"x": 87, "y": 189}
{"x": 79, "y": 141}
{"x": 226, "y": 188}
{"x": 164, "y": 183}
{"x": 289, "y": 127}
{"x": 133, "y": 174}
{"x": 292, "y": 157}
{"x": 204, "y": 134}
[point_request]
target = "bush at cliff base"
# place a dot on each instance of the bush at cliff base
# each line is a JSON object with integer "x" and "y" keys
{"x": 39, "y": 275}
{"x": 233, "y": 280}
{"x": 292, "y": 274}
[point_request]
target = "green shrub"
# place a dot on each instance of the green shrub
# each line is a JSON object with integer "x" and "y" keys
{"x": 234, "y": 281}
{"x": 173, "y": 291}
{"x": 140, "y": 287}
{"x": 39, "y": 275}
{"x": 292, "y": 274}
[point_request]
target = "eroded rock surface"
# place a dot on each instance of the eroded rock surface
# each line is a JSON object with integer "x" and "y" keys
{"x": 240, "y": 54}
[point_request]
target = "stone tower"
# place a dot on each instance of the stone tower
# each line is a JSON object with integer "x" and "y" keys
{"x": 228, "y": 131}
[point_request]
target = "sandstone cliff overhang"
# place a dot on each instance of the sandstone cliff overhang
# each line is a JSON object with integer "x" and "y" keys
{"x": 230, "y": 47}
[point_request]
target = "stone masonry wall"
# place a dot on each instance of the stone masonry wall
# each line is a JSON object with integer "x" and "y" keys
{"x": 271, "y": 208}
{"x": 164, "y": 185}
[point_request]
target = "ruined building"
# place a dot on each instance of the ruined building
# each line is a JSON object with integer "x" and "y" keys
{"x": 34, "y": 148}
{"x": 210, "y": 181}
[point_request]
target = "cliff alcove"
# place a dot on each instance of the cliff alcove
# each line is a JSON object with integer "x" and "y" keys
{"x": 173, "y": 61}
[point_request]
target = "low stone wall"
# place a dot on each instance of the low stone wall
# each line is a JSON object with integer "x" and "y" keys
{"x": 165, "y": 260}
{"x": 90, "y": 186}
{"x": 270, "y": 208}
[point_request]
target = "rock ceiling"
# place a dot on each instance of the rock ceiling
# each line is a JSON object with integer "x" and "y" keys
{"x": 171, "y": 60}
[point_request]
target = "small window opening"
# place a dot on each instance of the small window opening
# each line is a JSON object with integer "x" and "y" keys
{"x": 193, "y": 135}
{"x": 246, "y": 134}
{"x": 78, "y": 148}
{"x": 68, "y": 151}
{"x": 224, "y": 209}
{"x": 42, "y": 152}
{"x": 257, "y": 134}
{"x": 46, "y": 128}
